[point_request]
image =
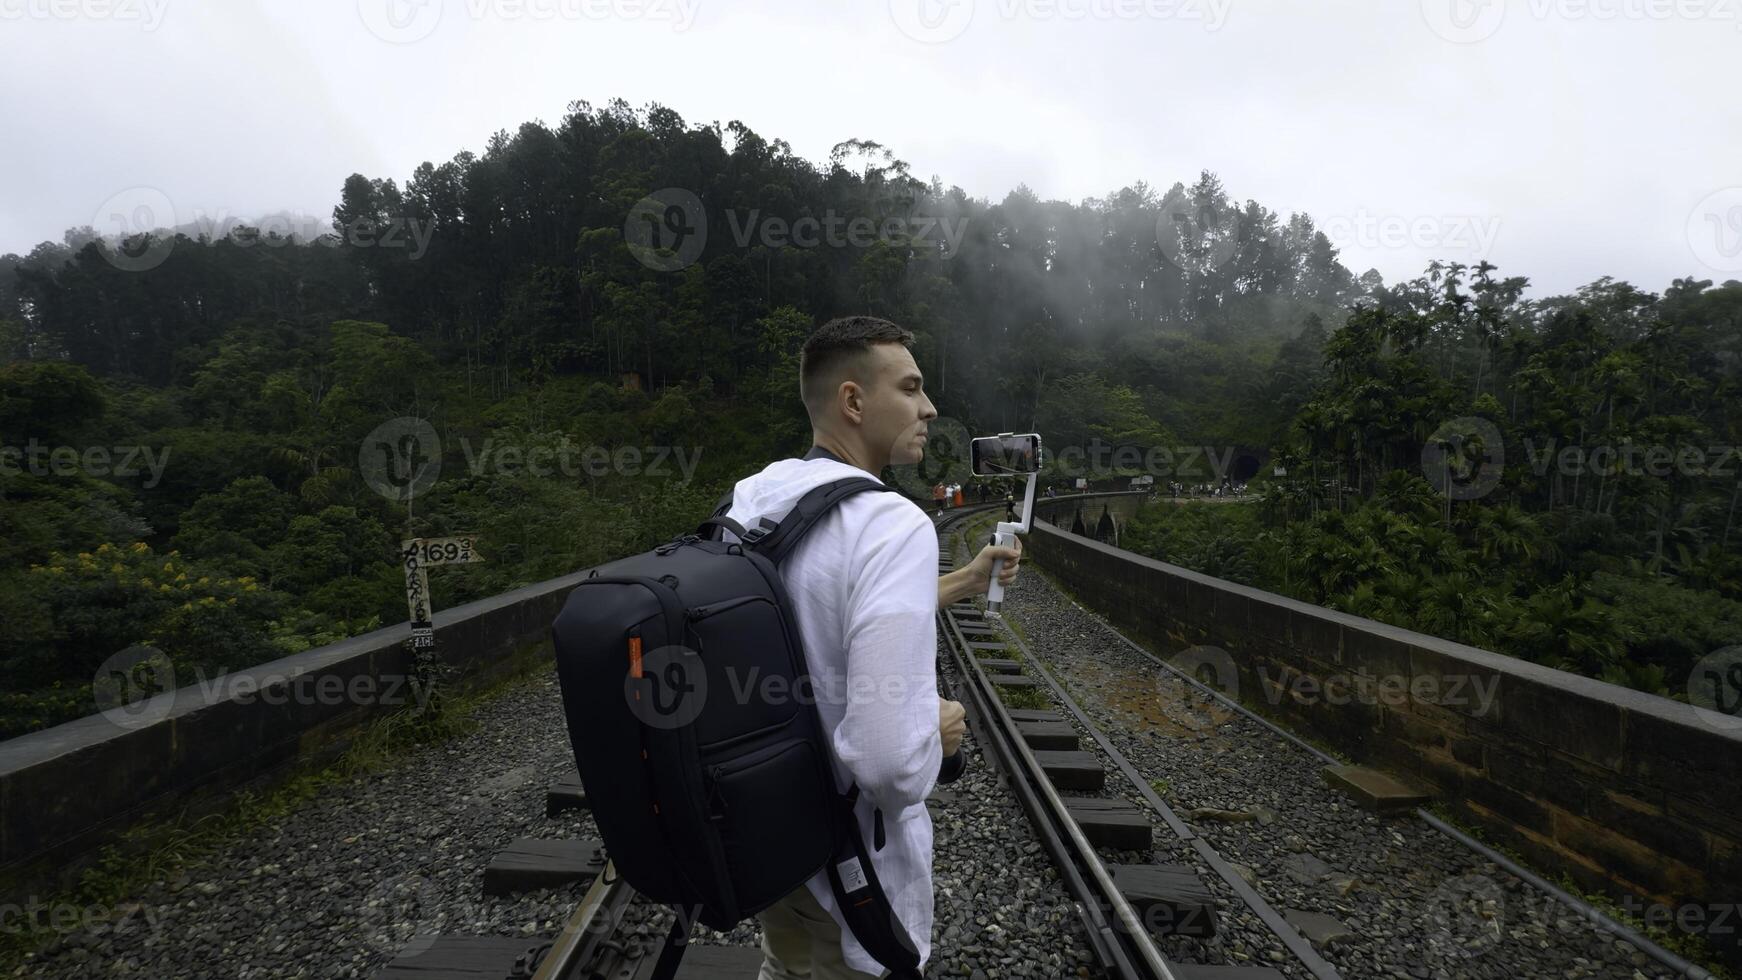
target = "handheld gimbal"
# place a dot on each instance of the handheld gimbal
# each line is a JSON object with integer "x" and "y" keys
{"x": 1007, "y": 454}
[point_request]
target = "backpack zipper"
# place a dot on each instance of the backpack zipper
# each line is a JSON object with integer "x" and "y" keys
{"x": 716, "y": 803}
{"x": 702, "y": 612}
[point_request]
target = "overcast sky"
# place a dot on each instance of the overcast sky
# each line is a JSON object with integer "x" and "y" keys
{"x": 1562, "y": 140}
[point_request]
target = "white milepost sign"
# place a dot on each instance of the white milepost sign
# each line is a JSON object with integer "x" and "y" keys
{"x": 419, "y": 554}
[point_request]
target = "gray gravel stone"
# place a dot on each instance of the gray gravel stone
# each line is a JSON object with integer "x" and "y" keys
{"x": 1415, "y": 903}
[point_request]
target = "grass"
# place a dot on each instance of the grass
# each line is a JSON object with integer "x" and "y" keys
{"x": 1012, "y": 697}
{"x": 1688, "y": 946}
{"x": 155, "y": 851}
{"x": 1023, "y": 697}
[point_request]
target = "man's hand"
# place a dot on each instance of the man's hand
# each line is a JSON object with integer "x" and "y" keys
{"x": 980, "y": 569}
{"x": 974, "y": 578}
{"x": 952, "y": 723}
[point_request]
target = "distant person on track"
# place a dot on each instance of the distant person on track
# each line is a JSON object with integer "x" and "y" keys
{"x": 865, "y": 592}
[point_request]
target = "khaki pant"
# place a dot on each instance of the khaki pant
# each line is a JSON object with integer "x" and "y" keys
{"x": 800, "y": 940}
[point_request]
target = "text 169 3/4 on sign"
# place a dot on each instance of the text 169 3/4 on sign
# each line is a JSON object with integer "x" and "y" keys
{"x": 442, "y": 551}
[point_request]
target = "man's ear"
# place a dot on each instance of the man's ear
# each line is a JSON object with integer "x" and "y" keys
{"x": 851, "y": 398}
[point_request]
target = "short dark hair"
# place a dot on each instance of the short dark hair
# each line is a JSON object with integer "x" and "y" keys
{"x": 839, "y": 343}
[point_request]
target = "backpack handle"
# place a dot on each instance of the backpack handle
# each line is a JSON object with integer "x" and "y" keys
{"x": 706, "y": 528}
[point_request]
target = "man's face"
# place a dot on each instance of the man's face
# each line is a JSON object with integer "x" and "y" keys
{"x": 896, "y": 409}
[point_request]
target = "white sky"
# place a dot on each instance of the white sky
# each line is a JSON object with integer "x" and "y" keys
{"x": 1575, "y": 138}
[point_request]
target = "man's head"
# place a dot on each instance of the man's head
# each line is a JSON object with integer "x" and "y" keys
{"x": 864, "y": 393}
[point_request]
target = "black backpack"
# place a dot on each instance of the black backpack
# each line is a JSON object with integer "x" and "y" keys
{"x": 712, "y": 797}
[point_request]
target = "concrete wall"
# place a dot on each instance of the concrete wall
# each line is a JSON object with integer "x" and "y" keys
{"x": 1625, "y": 792}
{"x": 67, "y": 790}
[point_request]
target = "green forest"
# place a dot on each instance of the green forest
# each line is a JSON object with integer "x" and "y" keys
{"x": 187, "y": 423}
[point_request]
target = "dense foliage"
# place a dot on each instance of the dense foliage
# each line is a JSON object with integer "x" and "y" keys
{"x": 503, "y": 299}
{"x": 1600, "y": 535}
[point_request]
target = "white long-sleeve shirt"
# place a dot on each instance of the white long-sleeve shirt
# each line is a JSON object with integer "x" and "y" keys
{"x": 863, "y": 585}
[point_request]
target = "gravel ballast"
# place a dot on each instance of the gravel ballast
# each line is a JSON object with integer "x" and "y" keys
{"x": 1382, "y": 896}
{"x": 381, "y": 864}
{"x": 374, "y": 866}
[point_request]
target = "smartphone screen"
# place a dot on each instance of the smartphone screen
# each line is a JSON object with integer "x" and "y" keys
{"x": 1006, "y": 455}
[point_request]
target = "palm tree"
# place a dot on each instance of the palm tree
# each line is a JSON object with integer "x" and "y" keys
{"x": 1456, "y": 607}
{"x": 1506, "y": 533}
{"x": 1558, "y": 628}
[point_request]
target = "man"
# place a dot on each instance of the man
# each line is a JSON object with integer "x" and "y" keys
{"x": 865, "y": 592}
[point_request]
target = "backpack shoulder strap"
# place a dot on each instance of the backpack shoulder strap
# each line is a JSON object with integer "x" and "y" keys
{"x": 725, "y": 504}
{"x": 778, "y": 543}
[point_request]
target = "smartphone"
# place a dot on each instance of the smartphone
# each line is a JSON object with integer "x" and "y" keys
{"x": 1006, "y": 455}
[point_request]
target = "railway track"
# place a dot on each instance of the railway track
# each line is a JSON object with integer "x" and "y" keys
{"x": 1076, "y": 828}
{"x": 614, "y": 934}
{"x": 1100, "y": 823}
{"x": 1215, "y": 721}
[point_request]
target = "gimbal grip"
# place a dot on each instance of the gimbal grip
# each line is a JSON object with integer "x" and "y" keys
{"x": 953, "y": 767}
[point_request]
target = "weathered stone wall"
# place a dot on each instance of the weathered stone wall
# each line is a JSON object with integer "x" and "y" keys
{"x": 1625, "y": 792}
{"x": 69, "y": 789}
